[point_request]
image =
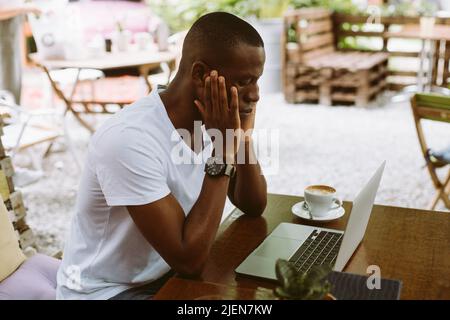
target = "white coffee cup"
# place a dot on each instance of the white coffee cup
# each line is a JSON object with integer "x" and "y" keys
{"x": 320, "y": 199}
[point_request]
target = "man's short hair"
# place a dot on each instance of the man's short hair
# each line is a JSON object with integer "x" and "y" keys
{"x": 218, "y": 32}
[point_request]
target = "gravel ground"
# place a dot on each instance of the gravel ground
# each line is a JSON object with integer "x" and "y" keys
{"x": 340, "y": 146}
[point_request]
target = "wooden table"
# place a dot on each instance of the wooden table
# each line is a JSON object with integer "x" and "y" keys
{"x": 413, "y": 31}
{"x": 407, "y": 244}
{"x": 144, "y": 61}
{"x": 186, "y": 289}
{"x": 430, "y": 39}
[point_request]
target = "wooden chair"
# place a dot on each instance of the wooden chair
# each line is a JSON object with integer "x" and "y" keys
{"x": 435, "y": 108}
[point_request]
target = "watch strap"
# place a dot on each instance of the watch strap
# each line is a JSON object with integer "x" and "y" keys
{"x": 230, "y": 170}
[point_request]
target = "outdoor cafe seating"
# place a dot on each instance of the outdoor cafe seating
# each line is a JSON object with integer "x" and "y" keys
{"x": 433, "y": 108}
{"x": 357, "y": 88}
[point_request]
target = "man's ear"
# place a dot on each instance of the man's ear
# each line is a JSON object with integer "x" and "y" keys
{"x": 199, "y": 72}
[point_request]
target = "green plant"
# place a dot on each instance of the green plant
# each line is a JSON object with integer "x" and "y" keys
{"x": 342, "y": 6}
{"x": 426, "y": 8}
{"x": 271, "y": 8}
{"x": 409, "y": 8}
{"x": 296, "y": 285}
{"x": 180, "y": 14}
{"x": 119, "y": 26}
{"x": 292, "y": 33}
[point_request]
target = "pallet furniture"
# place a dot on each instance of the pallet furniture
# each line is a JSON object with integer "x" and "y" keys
{"x": 14, "y": 202}
{"x": 353, "y": 27}
{"x": 24, "y": 273}
{"x": 34, "y": 278}
{"x": 430, "y": 47}
{"x": 435, "y": 108}
{"x": 316, "y": 71}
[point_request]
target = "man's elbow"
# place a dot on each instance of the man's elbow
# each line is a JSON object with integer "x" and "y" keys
{"x": 256, "y": 208}
{"x": 256, "y": 212}
{"x": 189, "y": 272}
{"x": 190, "y": 267}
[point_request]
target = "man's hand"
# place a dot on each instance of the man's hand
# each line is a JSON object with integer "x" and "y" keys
{"x": 218, "y": 114}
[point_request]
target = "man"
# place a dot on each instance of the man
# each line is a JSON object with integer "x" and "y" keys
{"x": 140, "y": 213}
{"x": 11, "y": 12}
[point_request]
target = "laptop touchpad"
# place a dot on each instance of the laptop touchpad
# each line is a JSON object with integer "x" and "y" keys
{"x": 277, "y": 247}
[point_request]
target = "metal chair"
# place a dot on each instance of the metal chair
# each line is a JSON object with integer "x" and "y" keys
{"x": 434, "y": 107}
{"x": 20, "y": 133}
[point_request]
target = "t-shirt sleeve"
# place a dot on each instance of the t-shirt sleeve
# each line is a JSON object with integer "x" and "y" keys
{"x": 130, "y": 170}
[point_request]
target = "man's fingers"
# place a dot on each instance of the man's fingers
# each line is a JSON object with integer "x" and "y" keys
{"x": 223, "y": 95}
{"x": 207, "y": 94}
{"x": 214, "y": 92}
{"x": 234, "y": 105}
{"x": 200, "y": 107}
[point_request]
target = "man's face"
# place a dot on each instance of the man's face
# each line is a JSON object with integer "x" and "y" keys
{"x": 242, "y": 69}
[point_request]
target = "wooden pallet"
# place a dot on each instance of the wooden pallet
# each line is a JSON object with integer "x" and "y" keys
{"x": 357, "y": 88}
{"x": 329, "y": 86}
{"x": 14, "y": 202}
{"x": 303, "y": 84}
{"x": 314, "y": 71}
{"x": 314, "y": 34}
{"x": 347, "y": 26}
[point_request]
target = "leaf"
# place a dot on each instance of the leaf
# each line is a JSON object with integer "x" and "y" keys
{"x": 298, "y": 285}
{"x": 285, "y": 273}
{"x": 317, "y": 274}
{"x": 279, "y": 291}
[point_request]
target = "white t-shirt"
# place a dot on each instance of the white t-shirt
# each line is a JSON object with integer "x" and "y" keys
{"x": 129, "y": 163}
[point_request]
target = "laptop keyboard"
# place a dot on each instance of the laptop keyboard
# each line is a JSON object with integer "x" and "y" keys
{"x": 320, "y": 248}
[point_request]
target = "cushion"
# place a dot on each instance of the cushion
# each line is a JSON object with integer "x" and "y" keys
{"x": 442, "y": 155}
{"x": 135, "y": 17}
{"x": 34, "y": 280}
{"x": 11, "y": 256}
{"x": 433, "y": 100}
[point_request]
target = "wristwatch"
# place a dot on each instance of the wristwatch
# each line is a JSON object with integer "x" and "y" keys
{"x": 216, "y": 167}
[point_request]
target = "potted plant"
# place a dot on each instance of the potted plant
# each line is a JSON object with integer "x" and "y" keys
{"x": 296, "y": 285}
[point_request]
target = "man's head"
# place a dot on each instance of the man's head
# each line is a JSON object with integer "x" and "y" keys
{"x": 223, "y": 42}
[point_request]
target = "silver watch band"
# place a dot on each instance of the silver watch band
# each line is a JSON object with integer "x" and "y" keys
{"x": 229, "y": 170}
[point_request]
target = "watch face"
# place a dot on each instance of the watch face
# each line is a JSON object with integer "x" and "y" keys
{"x": 214, "y": 166}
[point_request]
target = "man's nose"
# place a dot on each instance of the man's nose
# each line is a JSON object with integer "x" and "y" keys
{"x": 252, "y": 95}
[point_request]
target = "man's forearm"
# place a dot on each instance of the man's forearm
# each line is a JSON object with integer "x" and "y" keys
{"x": 249, "y": 188}
{"x": 203, "y": 221}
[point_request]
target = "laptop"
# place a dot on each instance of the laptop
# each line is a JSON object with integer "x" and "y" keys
{"x": 307, "y": 246}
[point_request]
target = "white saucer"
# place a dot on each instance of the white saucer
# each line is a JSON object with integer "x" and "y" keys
{"x": 334, "y": 214}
